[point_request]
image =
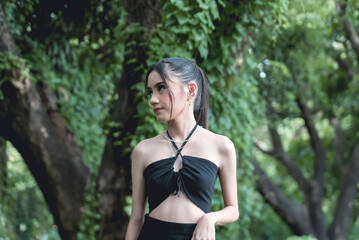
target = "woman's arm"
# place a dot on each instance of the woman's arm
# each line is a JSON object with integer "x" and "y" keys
{"x": 138, "y": 195}
{"x": 227, "y": 176}
{"x": 228, "y": 180}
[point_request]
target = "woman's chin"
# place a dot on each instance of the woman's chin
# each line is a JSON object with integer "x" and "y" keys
{"x": 161, "y": 120}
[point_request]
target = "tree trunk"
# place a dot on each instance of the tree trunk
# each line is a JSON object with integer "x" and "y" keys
{"x": 34, "y": 126}
{"x": 3, "y": 170}
{"x": 114, "y": 180}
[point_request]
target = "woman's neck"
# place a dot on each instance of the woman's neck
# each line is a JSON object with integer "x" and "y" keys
{"x": 179, "y": 128}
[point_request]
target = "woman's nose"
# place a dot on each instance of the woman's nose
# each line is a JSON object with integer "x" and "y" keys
{"x": 154, "y": 99}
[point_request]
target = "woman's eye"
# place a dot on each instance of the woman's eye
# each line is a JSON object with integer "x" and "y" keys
{"x": 161, "y": 88}
{"x": 149, "y": 92}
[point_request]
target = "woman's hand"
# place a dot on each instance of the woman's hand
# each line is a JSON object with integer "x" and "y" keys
{"x": 205, "y": 229}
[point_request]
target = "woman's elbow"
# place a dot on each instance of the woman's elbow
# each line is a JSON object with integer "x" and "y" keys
{"x": 235, "y": 214}
{"x": 137, "y": 220}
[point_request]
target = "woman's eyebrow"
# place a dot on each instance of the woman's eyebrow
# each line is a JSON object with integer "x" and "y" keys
{"x": 159, "y": 83}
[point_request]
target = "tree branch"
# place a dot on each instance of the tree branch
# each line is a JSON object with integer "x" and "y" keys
{"x": 279, "y": 154}
{"x": 348, "y": 190}
{"x": 289, "y": 164}
{"x": 316, "y": 143}
{"x": 317, "y": 183}
{"x": 298, "y": 132}
{"x": 49, "y": 101}
{"x": 338, "y": 144}
{"x": 349, "y": 30}
{"x": 292, "y": 213}
{"x": 347, "y": 66}
{"x": 269, "y": 153}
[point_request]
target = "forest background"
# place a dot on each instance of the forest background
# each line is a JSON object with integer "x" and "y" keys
{"x": 284, "y": 87}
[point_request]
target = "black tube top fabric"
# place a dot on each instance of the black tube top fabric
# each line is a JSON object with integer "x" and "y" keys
{"x": 196, "y": 178}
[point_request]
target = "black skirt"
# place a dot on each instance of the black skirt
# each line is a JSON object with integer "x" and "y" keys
{"x": 154, "y": 229}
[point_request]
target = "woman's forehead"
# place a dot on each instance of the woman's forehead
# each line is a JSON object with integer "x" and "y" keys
{"x": 154, "y": 78}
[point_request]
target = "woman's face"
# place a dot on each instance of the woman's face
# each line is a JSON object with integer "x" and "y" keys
{"x": 160, "y": 97}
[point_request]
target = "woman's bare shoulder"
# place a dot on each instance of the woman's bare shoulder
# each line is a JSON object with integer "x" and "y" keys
{"x": 222, "y": 142}
{"x": 222, "y": 147}
{"x": 145, "y": 146}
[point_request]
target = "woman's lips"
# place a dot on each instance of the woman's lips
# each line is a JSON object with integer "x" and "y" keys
{"x": 156, "y": 110}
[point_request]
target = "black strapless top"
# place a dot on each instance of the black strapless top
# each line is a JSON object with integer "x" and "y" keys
{"x": 196, "y": 178}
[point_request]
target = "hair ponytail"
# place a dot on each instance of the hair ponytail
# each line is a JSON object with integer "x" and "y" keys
{"x": 201, "y": 111}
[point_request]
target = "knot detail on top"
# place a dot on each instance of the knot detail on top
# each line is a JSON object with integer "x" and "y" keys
{"x": 179, "y": 182}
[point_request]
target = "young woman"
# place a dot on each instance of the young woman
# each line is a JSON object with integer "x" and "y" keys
{"x": 177, "y": 169}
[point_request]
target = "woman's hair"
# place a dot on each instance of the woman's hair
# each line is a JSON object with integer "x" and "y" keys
{"x": 186, "y": 71}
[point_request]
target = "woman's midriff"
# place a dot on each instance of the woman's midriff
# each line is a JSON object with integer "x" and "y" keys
{"x": 178, "y": 209}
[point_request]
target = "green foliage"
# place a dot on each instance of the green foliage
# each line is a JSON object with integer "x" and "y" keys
{"x": 354, "y": 231}
{"x": 301, "y": 238}
{"x": 267, "y": 224}
{"x": 255, "y": 52}
{"x": 88, "y": 225}
{"x": 23, "y": 212}
{"x": 9, "y": 62}
{"x": 300, "y": 59}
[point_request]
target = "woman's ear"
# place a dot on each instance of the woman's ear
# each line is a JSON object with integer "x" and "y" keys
{"x": 192, "y": 89}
